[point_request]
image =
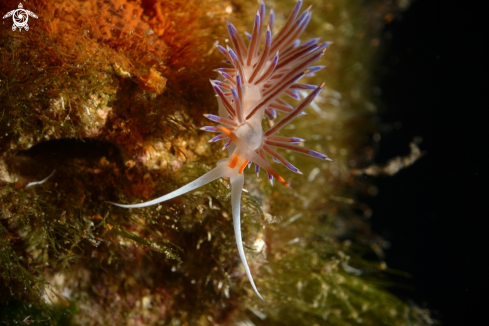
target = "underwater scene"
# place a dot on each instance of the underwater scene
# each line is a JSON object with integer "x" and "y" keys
{"x": 196, "y": 163}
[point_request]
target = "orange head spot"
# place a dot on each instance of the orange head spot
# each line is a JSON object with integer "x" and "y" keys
{"x": 242, "y": 167}
{"x": 233, "y": 161}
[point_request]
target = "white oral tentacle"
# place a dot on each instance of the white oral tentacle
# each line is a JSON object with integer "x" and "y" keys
{"x": 221, "y": 170}
{"x": 237, "y": 182}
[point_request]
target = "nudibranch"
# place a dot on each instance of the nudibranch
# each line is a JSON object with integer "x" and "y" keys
{"x": 249, "y": 90}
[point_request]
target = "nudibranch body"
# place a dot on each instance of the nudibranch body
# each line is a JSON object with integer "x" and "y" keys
{"x": 249, "y": 90}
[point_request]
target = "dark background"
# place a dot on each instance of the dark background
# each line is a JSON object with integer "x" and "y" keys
{"x": 433, "y": 79}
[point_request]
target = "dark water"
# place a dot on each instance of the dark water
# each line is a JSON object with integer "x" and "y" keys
{"x": 434, "y": 213}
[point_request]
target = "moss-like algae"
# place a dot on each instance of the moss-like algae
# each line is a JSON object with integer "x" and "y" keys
{"x": 109, "y": 93}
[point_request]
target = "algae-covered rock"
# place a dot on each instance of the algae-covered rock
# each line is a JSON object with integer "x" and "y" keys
{"x": 110, "y": 95}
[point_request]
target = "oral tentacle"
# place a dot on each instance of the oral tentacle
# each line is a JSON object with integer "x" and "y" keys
{"x": 222, "y": 170}
{"x": 237, "y": 182}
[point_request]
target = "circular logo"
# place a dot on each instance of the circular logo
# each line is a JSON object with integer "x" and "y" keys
{"x": 20, "y": 17}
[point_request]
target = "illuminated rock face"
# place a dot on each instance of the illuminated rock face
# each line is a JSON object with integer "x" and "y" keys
{"x": 108, "y": 94}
